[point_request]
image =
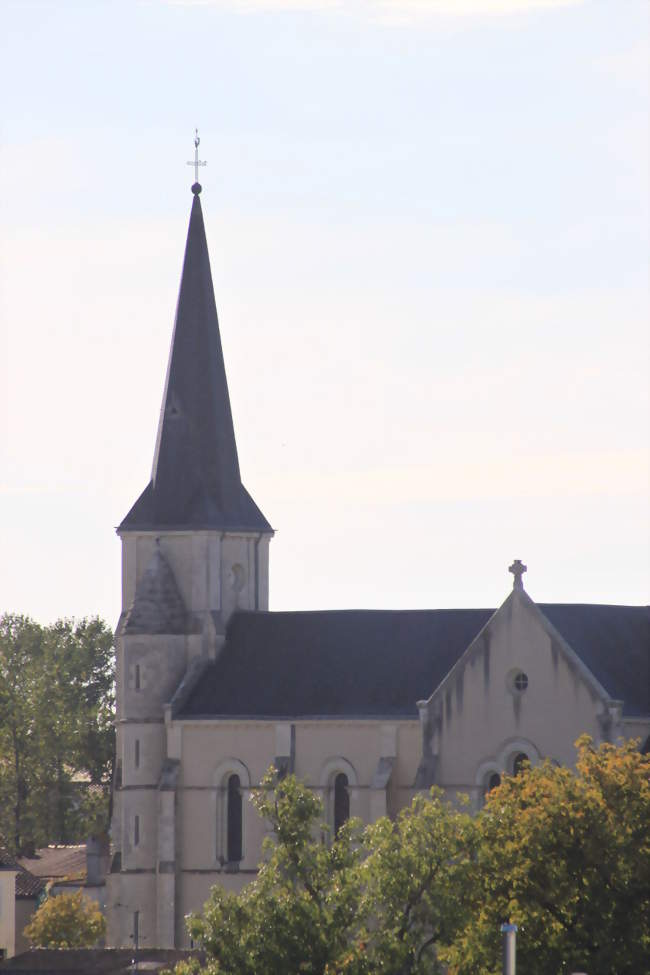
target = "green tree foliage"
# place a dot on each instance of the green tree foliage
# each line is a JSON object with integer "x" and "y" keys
{"x": 563, "y": 854}
{"x": 413, "y": 878}
{"x": 66, "y": 921}
{"x": 296, "y": 915}
{"x": 374, "y": 900}
{"x": 56, "y": 734}
{"x": 566, "y": 857}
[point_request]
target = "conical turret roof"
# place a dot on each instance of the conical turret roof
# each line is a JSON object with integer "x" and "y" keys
{"x": 195, "y": 481}
{"x": 158, "y": 606}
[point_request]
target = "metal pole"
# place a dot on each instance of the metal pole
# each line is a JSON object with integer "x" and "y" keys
{"x": 509, "y": 932}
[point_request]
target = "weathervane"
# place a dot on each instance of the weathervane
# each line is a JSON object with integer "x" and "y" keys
{"x": 196, "y": 188}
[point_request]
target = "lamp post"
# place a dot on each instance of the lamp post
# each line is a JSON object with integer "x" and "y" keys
{"x": 509, "y": 932}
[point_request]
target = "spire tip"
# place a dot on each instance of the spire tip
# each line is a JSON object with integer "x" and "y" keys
{"x": 196, "y": 186}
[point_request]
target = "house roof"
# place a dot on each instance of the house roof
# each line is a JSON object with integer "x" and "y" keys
{"x": 370, "y": 663}
{"x": 57, "y": 863}
{"x": 27, "y": 885}
{"x": 95, "y": 961}
{"x": 195, "y": 480}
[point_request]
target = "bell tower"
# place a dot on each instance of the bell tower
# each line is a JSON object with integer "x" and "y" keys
{"x": 195, "y": 548}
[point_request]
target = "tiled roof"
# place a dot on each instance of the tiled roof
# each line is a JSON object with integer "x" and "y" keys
{"x": 57, "y": 863}
{"x": 27, "y": 885}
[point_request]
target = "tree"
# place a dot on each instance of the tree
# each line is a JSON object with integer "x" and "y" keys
{"x": 413, "y": 877}
{"x": 76, "y": 725}
{"x": 375, "y": 900}
{"x": 66, "y": 921}
{"x": 20, "y": 666}
{"x": 56, "y": 734}
{"x": 566, "y": 856}
{"x": 563, "y": 854}
{"x": 296, "y": 915}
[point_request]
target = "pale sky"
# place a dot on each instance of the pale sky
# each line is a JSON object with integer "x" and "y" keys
{"x": 428, "y": 225}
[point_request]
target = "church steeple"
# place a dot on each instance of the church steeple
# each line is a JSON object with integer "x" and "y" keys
{"x": 195, "y": 480}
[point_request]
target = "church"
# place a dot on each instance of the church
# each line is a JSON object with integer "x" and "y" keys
{"x": 367, "y": 707}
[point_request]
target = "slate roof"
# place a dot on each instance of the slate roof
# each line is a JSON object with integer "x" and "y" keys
{"x": 614, "y": 643}
{"x": 364, "y": 663}
{"x": 158, "y": 606}
{"x": 367, "y": 663}
{"x": 195, "y": 481}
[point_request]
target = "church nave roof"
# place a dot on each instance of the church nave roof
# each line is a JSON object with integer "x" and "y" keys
{"x": 378, "y": 663}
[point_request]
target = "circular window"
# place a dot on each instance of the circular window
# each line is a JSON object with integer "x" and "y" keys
{"x": 521, "y": 681}
{"x": 517, "y": 681}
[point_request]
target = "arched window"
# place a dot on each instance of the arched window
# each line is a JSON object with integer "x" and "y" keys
{"x": 231, "y": 780}
{"x": 493, "y": 782}
{"x": 519, "y": 762}
{"x": 234, "y": 820}
{"x": 339, "y": 781}
{"x": 341, "y": 801}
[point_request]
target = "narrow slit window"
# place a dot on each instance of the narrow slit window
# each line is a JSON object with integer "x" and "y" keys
{"x": 519, "y": 763}
{"x": 136, "y": 753}
{"x": 493, "y": 782}
{"x": 137, "y": 677}
{"x": 341, "y": 801}
{"x": 234, "y": 819}
{"x": 136, "y": 929}
{"x": 136, "y": 831}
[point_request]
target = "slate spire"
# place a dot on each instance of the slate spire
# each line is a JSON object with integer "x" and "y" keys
{"x": 195, "y": 480}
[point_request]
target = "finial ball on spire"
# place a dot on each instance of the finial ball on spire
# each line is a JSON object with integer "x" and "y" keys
{"x": 196, "y": 188}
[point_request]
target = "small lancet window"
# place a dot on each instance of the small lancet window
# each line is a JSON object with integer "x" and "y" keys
{"x": 136, "y": 680}
{"x": 519, "y": 763}
{"x": 136, "y": 831}
{"x": 136, "y": 753}
{"x": 234, "y": 820}
{"x": 341, "y": 801}
{"x": 493, "y": 782}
